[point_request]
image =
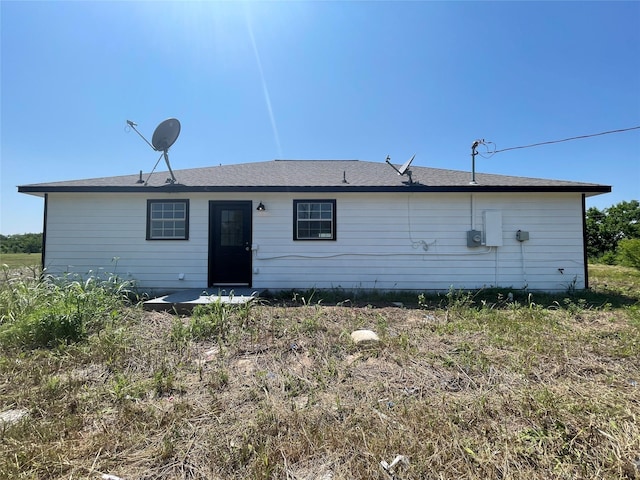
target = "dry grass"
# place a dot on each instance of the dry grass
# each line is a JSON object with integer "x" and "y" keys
{"x": 281, "y": 392}
{"x": 21, "y": 260}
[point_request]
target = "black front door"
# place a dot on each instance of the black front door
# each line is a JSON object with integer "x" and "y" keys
{"x": 230, "y": 243}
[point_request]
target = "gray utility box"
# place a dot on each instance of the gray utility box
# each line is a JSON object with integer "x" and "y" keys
{"x": 522, "y": 236}
{"x": 492, "y": 228}
{"x": 474, "y": 238}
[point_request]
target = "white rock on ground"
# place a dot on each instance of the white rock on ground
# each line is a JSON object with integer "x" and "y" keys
{"x": 361, "y": 337}
{"x": 12, "y": 416}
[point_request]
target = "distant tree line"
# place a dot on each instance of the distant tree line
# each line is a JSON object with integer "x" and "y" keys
{"x": 23, "y": 243}
{"x": 613, "y": 234}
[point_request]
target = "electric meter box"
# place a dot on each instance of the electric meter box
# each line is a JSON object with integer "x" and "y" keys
{"x": 474, "y": 238}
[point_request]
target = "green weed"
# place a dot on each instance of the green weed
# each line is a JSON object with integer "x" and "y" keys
{"x": 50, "y": 312}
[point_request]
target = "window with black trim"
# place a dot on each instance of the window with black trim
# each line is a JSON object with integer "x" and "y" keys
{"x": 314, "y": 219}
{"x": 167, "y": 219}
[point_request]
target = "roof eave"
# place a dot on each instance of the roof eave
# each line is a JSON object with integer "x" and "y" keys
{"x": 587, "y": 189}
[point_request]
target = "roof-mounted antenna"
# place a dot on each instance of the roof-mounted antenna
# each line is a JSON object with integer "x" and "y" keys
{"x": 404, "y": 169}
{"x": 164, "y": 136}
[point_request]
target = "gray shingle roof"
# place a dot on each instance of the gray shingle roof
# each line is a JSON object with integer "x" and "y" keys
{"x": 318, "y": 175}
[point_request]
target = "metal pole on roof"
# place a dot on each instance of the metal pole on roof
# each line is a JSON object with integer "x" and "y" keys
{"x": 474, "y": 152}
{"x": 166, "y": 159}
{"x": 134, "y": 125}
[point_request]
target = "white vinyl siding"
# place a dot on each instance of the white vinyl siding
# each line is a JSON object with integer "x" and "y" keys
{"x": 418, "y": 242}
{"x": 105, "y": 234}
{"x": 387, "y": 241}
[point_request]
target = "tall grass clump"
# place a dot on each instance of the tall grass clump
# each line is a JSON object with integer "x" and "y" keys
{"x": 215, "y": 320}
{"x": 49, "y": 311}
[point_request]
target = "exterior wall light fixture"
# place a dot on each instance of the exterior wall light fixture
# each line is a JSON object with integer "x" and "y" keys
{"x": 261, "y": 207}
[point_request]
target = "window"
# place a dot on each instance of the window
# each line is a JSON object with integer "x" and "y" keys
{"x": 167, "y": 219}
{"x": 231, "y": 227}
{"x": 314, "y": 219}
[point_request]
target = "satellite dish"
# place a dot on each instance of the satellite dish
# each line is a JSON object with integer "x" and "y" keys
{"x": 404, "y": 169}
{"x": 165, "y": 134}
{"x": 405, "y": 166}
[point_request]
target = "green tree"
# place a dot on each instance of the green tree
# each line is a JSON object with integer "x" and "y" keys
{"x": 629, "y": 252}
{"x": 24, "y": 243}
{"x": 606, "y": 228}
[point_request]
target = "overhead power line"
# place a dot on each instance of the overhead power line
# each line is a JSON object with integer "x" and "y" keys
{"x": 565, "y": 139}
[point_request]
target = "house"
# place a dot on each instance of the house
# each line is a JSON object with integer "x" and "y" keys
{"x": 303, "y": 224}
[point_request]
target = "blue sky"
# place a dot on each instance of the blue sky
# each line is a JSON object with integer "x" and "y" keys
{"x": 317, "y": 80}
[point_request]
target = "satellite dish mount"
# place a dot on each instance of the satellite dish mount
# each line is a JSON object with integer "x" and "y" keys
{"x": 163, "y": 138}
{"x": 404, "y": 169}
